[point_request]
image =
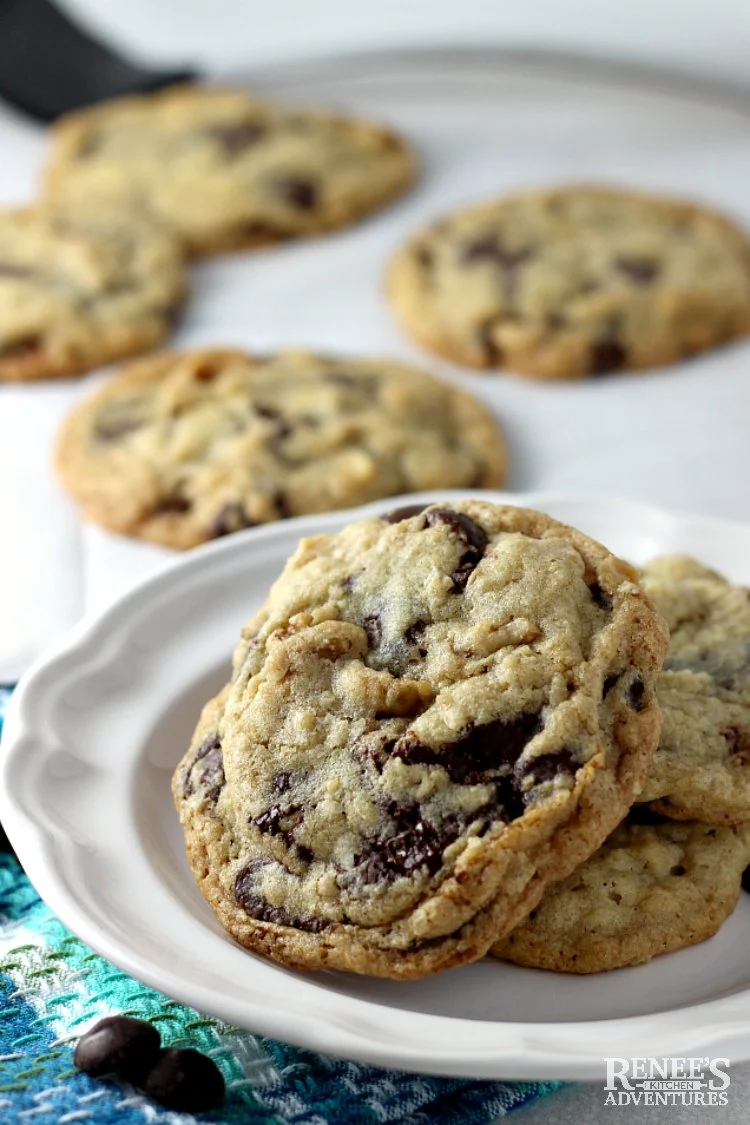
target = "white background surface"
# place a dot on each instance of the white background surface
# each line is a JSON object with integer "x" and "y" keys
{"x": 662, "y": 451}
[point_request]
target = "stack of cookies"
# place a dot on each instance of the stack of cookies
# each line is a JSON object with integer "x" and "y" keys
{"x": 432, "y": 742}
{"x": 436, "y": 714}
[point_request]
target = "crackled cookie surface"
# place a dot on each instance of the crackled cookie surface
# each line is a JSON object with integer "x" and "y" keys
{"x": 225, "y": 170}
{"x": 574, "y": 282}
{"x": 651, "y": 888}
{"x": 702, "y": 768}
{"x": 434, "y": 714}
{"x": 81, "y": 288}
{"x": 184, "y": 447}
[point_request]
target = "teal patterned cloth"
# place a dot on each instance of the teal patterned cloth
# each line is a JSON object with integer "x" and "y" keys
{"x": 53, "y": 987}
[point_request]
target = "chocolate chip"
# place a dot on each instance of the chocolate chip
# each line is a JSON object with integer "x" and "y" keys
{"x": 212, "y": 775}
{"x": 746, "y": 879}
{"x": 637, "y": 694}
{"x": 600, "y": 596}
{"x": 12, "y": 269}
{"x": 282, "y": 427}
{"x": 470, "y": 533}
{"x": 560, "y": 763}
{"x": 424, "y": 257}
{"x": 300, "y": 192}
{"x": 245, "y": 892}
{"x": 18, "y": 349}
{"x": 117, "y": 1044}
{"x": 607, "y": 355}
{"x": 232, "y": 517}
{"x": 641, "y": 270}
{"x": 477, "y": 752}
{"x": 414, "y": 633}
{"x": 738, "y": 745}
{"x": 609, "y": 683}
{"x": 397, "y": 515}
{"x": 176, "y": 503}
{"x": 114, "y": 428}
{"x": 282, "y": 782}
{"x": 236, "y": 138}
{"x": 416, "y": 844}
{"x": 492, "y": 248}
{"x": 491, "y": 350}
{"x": 186, "y": 1080}
{"x": 281, "y": 504}
{"x": 280, "y": 821}
{"x": 373, "y": 627}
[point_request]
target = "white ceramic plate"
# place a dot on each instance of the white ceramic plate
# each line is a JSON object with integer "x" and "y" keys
{"x": 94, "y": 733}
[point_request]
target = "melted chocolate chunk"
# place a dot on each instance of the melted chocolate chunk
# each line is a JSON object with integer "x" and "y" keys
{"x": 282, "y": 426}
{"x": 17, "y": 349}
{"x": 477, "y": 752}
{"x": 738, "y": 745}
{"x": 547, "y": 767}
{"x": 300, "y": 192}
{"x": 183, "y": 1079}
{"x": 641, "y": 270}
{"x": 607, "y": 355}
{"x": 212, "y": 775}
{"x": 405, "y": 513}
{"x": 424, "y": 257}
{"x": 600, "y": 596}
{"x": 493, "y": 353}
{"x": 373, "y": 627}
{"x": 281, "y": 504}
{"x": 280, "y": 821}
{"x": 13, "y": 269}
{"x": 282, "y": 782}
{"x": 491, "y": 248}
{"x": 114, "y": 428}
{"x": 232, "y": 517}
{"x": 469, "y": 533}
{"x": 609, "y": 683}
{"x": 236, "y": 138}
{"x": 415, "y": 632}
{"x": 176, "y": 503}
{"x": 416, "y": 844}
{"x": 637, "y": 694}
{"x": 257, "y": 907}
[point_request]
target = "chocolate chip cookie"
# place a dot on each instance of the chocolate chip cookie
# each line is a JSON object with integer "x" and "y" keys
{"x": 650, "y": 889}
{"x": 435, "y": 713}
{"x": 79, "y": 288}
{"x": 180, "y": 448}
{"x": 226, "y": 171}
{"x": 702, "y": 768}
{"x": 574, "y": 282}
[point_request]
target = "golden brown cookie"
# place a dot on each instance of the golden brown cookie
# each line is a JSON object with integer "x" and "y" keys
{"x": 80, "y": 288}
{"x": 574, "y": 282}
{"x": 180, "y": 448}
{"x": 421, "y": 733}
{"x": 226, "y": 171}
{"x": 650, "y": 889}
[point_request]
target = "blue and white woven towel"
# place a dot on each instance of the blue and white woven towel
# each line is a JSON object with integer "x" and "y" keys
{"x": 52, "y": 987}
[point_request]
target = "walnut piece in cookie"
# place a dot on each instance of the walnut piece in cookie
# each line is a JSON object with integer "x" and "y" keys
{"x": 574, "y": 282}
{"x": 80, "y": 288}
{"x": 435, "y": 714}
{"x": 180, "y": 448}
{"x": 226, "y": 171}
{"x": 652, "y": 888}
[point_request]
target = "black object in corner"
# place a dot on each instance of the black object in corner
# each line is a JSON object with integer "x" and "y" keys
{"x": 49, "y": 66}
